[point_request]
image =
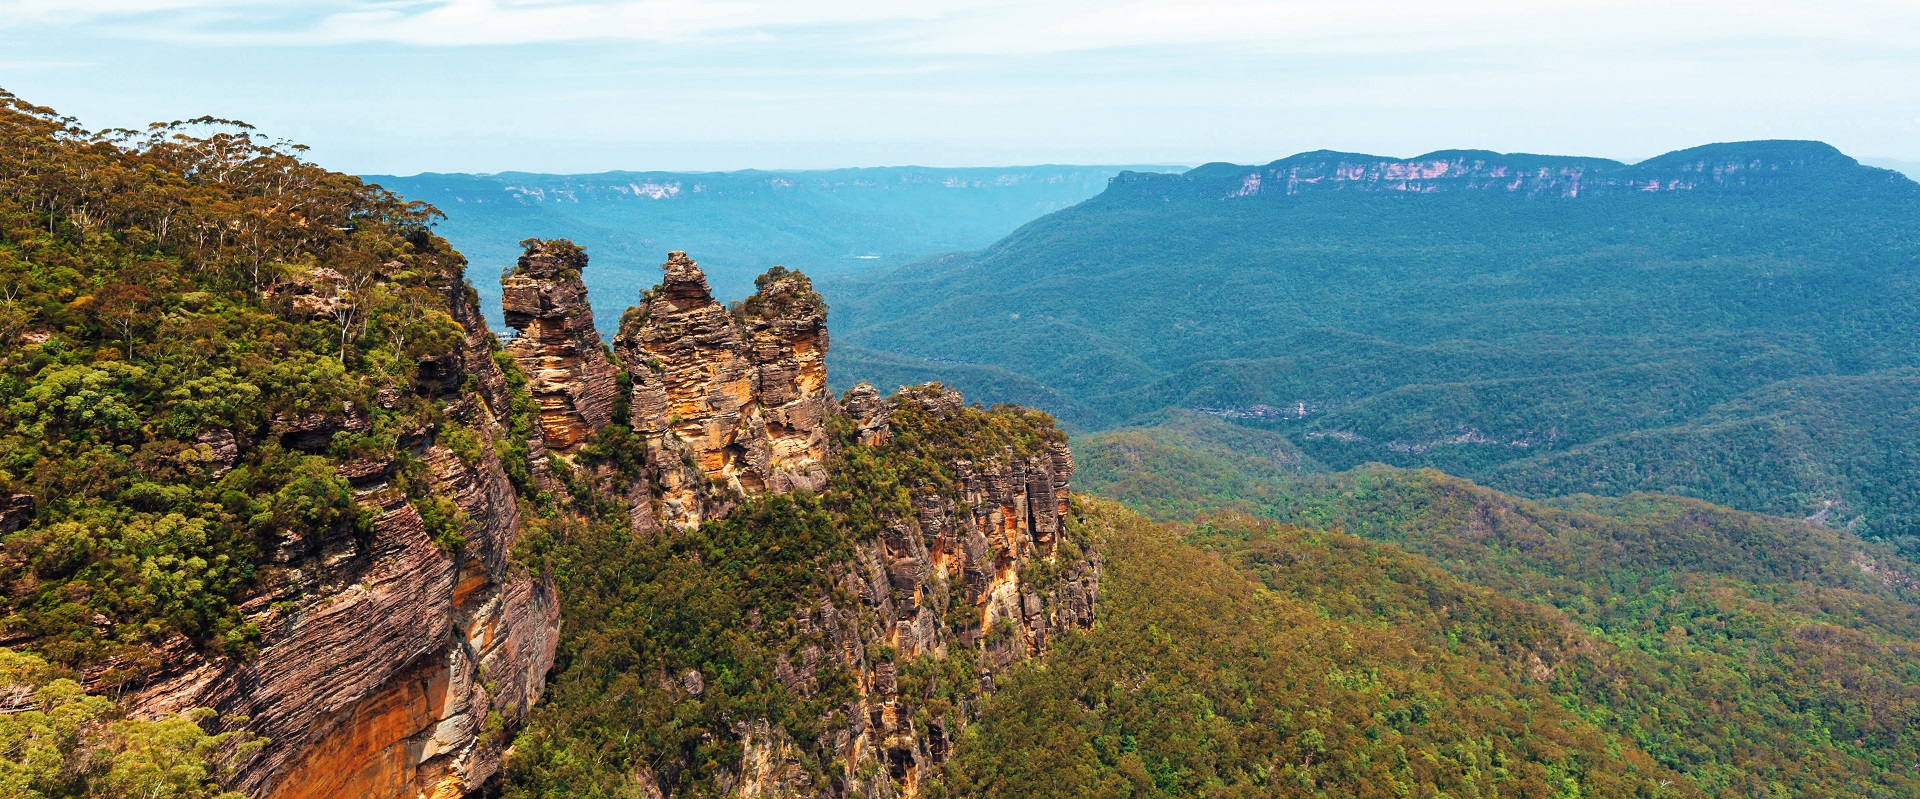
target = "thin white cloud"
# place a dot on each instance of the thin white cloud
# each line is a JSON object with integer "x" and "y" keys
{"x": 1412, "y": 26}
{"x": 19, "y": 13}
{"x": 1005, "y": 27}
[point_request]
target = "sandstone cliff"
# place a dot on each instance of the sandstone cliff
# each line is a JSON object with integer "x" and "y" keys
{"x": 389, "y": 665}
{"x": 972, "y": 567}
{"x": 980, "y": 570}
{"x": 1738, "y": 167}
{"x": 912, "y": 627}
{"x": 397, "y": 658}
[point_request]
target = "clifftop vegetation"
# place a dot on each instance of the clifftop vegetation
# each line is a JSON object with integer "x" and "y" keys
{"x": 164, "y": 296}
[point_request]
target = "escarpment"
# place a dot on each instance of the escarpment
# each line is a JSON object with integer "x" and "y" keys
{"x": 394, "y": 658}
{"x": 1714, "y": 168}
{"x": 282, "y": 484}
{"x": 828, "y": 591}
{"x": 901, "y": 553}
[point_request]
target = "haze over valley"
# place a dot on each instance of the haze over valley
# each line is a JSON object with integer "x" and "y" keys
{"x": 827, "y": 223}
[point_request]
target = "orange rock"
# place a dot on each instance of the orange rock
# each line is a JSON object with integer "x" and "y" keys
{"x": 740, "y": 395}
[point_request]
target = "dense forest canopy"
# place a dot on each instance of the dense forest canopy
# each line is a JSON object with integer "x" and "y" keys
{"x": 188, "y": 315}
{"x": 1737, "y": 654}
{"x": 166, "y": 291}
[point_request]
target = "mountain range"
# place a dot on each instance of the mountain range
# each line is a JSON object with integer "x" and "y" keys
{"x": 826, "y": 222}
{"x": 1732, "y": 322}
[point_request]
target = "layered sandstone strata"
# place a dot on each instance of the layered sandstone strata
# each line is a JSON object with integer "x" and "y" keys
{"x": 567, "y": 370}
{"x": 734, "y": 400}
{"x": 388, "y": 666}
{"x": 956, "y": 577}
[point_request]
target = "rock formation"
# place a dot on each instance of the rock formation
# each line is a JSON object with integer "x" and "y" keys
{"x": 961, "y": 574}
{"x": 566, "y": 367}
{"x": 732, "y": 403}
{"x": 384, "y": 657}
{"x": 740, "y": 395}
{"x": 393, "y": 666}
{"x": 727, "y": 404}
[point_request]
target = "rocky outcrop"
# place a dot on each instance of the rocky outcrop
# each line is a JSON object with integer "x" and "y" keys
{"x": 984, "y": 570}
{"x": 388, "y": 666}
{"x": 567, "y": 369}
{"x": 397, "y": 662}
{"x": 727, "y": 402}
{"x": 15, "y": 511}
{"x": 864, "y": 405}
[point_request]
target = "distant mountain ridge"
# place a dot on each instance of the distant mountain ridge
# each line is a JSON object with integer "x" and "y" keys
{"x": 1689, "y": 324}
{"x": 1738, "y": 166}
{"x": 737, "y": 224}
{"x": 687, "y": 186}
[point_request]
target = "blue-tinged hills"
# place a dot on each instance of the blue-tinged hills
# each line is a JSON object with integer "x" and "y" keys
{"x": 737, "y": 224}
{"x": 1735, "y": 322}
{"x": 1736, "y": 167}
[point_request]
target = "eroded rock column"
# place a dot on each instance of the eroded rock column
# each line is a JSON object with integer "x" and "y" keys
{"x": 567, "y": 369}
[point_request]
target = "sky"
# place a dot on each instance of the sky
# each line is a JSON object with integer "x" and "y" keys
{"x": 408, "y": 86}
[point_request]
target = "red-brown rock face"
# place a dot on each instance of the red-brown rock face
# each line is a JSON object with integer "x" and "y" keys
{"x": 741, "y": 396}
{"x": 567, "y": 370}
{"x": 382, "y": 656}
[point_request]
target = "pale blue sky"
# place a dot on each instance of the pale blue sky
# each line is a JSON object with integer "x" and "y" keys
{"x": 404, "y": 86}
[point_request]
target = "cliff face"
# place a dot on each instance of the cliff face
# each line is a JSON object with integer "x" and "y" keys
{"x": 984, "y": 570}
{"x": 393, "y": 663}
{"x": 389, "y": 665}
{"x": 971, "y": 569}
{"x": 567, "y": 369}
{"x": 741, "y": 396}
{"x": 975, "y": 575}
{"x": 1741, "y": 166}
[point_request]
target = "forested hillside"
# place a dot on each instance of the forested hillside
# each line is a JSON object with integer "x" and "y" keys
{"x": 1202, "y": 681}
{"x": 737, "y": 224}
{"x": 1750, "y": 655}
{"x": 206, "y": 346}
{"x": 1732, "y": 322}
